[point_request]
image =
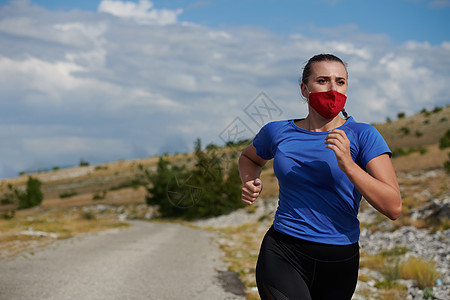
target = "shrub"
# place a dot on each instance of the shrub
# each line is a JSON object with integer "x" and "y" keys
{"x": 8, "y": 215}
{"x": 67, "y": 194}
{"x": 134, "y": 183}
{"x": 425, "y": 112}
{"x": 209, "y": 188}
{"x": 401, "y": 115}
{"x": 99, "y": 195}
{"x": 32, "y": 195}
{"x": 7, "y": 199}
{"x": 83, "y": 163}
{"x": 88, "y": 215}
{"x": 419, "y": 133}
{"x": 444, "y": 142}
{"x": 404, "y": 152}
{"x": 98, "y": 168}
{"x": 404, "y": 130}
{"x": 447, "y": 164}
{"x": 437, "y": 109}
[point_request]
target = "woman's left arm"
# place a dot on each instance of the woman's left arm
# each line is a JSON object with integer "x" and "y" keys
{"x": 378, "y": 185}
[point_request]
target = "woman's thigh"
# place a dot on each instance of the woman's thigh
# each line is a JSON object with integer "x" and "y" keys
{"x": 335, "y": 280}
{"x": 276, "y": 277}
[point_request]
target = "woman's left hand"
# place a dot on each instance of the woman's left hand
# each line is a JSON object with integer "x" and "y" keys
{"x": 337, "y": 141}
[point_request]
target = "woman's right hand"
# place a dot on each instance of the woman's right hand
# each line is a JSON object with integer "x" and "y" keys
{"x": 251, "y": 190}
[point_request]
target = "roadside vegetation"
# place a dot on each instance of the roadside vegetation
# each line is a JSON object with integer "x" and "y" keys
{"x": 192, "y": 192}
{"x": 36, "y": 209}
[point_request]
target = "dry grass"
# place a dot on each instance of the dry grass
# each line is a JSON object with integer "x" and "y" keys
{"x": 392, "y": 267}
{"x": 394, "y": 293}
{"x": 433, "y": 158}
{"x": 38, "y": 227}
{"x": 241, "y": 246}
{"x": 374, "y": 262}
{"x": 432, "y": 127}
{"x": 422, "y": 271}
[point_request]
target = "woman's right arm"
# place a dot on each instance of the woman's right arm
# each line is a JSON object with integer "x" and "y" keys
{"x": 250, "y": 166}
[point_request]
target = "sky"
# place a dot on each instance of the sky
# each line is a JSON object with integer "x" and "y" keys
{"x": 109, "y": 80}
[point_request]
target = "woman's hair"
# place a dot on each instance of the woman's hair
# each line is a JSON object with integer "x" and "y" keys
{"x": 319, "y": 58}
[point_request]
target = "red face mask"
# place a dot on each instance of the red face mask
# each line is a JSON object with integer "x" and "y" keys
{"x": 327, "y": 104}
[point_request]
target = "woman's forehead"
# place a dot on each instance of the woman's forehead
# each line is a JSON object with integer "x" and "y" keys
{"x": 329, "y": 68}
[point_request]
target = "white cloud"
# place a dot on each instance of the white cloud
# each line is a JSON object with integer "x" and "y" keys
{"x": 142, "y": 12}
{"x": 84, "y": 85}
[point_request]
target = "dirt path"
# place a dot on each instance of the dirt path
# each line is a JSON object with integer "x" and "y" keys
{"x": 145, "y": 261}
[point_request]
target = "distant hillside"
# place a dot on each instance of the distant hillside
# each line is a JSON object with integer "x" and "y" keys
{"x": 422, "y": 129}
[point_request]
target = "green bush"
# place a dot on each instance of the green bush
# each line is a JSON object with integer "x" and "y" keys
{"x": 32, "y": 196}
{"x": 404, "y": 130}
{"x": 98, "y": 168}
{"x": 133, "y": 183}
{"x": 8, "y": 215}
{"x": 447, "y": 164}
{"x": 425, "y": 112}
{"x": 8, "y": 197}
{"x": 99, "y": 195}
{"x": 83, "y": 163}
{"x": 404, "y": 152}
{"x": 401, "y": 115}
{"x": 88, "y": 215}
{"x": 444, "y": 142}
{"x": 67, "y": 194}
{"x": 209, "y": 188}
{"x": 437, "y": 109}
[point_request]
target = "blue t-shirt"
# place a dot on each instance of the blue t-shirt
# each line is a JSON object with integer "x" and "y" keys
{"x": 317, "y": 201}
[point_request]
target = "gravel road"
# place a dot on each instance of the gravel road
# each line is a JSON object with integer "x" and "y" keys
{"x": 146, "y": 261}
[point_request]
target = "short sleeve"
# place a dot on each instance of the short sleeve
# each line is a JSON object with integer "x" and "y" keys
{"x": 263, "y": 142}
{"x": 372, "y": 145}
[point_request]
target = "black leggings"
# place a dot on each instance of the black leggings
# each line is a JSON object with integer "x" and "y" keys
{"x": 291, "y": 268}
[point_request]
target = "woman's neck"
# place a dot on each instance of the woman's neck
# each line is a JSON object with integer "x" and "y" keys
{"x": 319, "y": 124}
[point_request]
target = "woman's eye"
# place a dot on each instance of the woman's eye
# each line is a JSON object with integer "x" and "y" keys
{"x": 321, "y": 81}
{"x": 341, "y": 82}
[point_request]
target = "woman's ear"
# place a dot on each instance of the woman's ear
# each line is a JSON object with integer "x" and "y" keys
{"x": 304, "y": 90}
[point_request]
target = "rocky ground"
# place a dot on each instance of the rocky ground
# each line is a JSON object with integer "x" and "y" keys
{"x": 428, "y": 191}
{"x": 420, "y": 243}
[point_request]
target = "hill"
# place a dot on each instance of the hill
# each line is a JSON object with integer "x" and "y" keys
{"x": 115, "y": 182}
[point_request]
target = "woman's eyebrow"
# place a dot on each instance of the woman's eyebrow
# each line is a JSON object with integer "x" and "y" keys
{"x": 328, "y": 77}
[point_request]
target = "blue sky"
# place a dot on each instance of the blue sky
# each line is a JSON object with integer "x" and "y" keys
{"x": 401, "y": 20}
{"x": 109, "y": 80}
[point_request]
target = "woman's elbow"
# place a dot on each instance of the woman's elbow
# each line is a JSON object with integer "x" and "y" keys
{"x": 395, "y": 212}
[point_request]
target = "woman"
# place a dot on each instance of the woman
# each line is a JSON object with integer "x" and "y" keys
{"x": 324, "y": 164}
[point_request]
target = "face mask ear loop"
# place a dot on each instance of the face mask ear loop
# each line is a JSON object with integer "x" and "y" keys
{"x": 307, "y": 99}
